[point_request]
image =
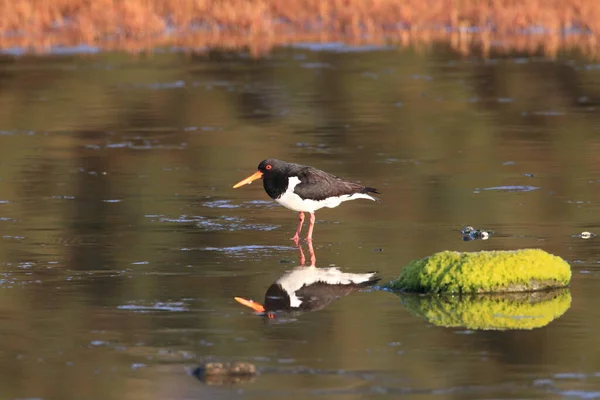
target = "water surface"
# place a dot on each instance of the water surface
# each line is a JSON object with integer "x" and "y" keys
{"x": 124, "y": 242}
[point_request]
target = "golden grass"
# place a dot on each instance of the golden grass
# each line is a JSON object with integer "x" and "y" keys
{"x": 260, "y": 24}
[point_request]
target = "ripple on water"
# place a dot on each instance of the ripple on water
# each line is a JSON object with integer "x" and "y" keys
{"x": 215, "y": 224}
{"x": 316, "y": 65}
{"x": 238, "y": 251}
{"x": 144, "y": 145}
{"x": 248, "y": 248}
{"x": 161, "y": 85}
{"x": 582, "y": 394}
{"x": 246, "y": 204}
{"x": 554, "y": 384}
{"x": 139, "y": 306}
{"x": 233, "y": 224}
{"x": 220, "y": 204}
{"x": 259, "y": 204}
{"x": 510, "y": 188}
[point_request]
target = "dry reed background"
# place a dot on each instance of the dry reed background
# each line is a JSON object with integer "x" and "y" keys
{"x": 545, "y": 26}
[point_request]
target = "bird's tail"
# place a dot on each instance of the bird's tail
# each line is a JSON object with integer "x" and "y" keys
{"x": 360, "y": 279}
{"x": 373, "y": 279}
{"x": 366, "y": 190}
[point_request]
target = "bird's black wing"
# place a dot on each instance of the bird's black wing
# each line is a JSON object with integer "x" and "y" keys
{"x": 319, "y": 185}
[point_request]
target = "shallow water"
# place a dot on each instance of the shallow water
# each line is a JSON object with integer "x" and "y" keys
{"x": 124, "y": 242}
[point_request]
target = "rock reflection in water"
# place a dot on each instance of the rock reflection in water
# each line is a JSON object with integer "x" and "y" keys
{"x": 502, "y": 311}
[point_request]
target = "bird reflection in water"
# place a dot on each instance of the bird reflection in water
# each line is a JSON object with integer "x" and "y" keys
{"x": 308, "y": 288}
{"x": 311, "y": 252}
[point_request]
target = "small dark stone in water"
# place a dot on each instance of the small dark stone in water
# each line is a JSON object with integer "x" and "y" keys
{"x": 232, "y": 369}
{"x": 284, "y": 261}
{"x": 217, "y": 373}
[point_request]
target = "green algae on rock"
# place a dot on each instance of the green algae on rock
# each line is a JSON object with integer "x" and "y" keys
{"x": 500, "y": 311}
{"x": 484, "y": 272}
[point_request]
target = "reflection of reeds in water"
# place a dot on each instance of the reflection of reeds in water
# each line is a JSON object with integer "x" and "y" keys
{"x": 491, "y": 311}
{"x": 528, "y": 25}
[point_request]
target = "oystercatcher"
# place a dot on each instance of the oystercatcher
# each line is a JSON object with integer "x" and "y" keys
{"x": 305, "y": 189}
{"x": 309, "y": 289}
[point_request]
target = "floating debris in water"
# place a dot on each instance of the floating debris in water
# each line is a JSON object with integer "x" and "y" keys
{"x": 586, "y": 235}
{"x": 469, "y": 233}
{"x": 467, "y": 229}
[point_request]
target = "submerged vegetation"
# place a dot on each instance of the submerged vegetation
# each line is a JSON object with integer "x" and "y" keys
{"x": 137, "y": 25}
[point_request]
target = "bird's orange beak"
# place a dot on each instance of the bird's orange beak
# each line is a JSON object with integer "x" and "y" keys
{"x": 249, "y": 303}
{"x": 249, "y": 180}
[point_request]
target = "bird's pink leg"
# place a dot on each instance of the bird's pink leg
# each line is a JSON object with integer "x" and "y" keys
{"x": 311, "y": 227}
{"x": 296, "y": 237}
{"x": 302, "y": 258}
{"x": 313, "y": 258}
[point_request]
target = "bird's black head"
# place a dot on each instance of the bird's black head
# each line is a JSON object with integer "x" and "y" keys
{"x": 275, "y": 175}
{"x": 272, "y": 166}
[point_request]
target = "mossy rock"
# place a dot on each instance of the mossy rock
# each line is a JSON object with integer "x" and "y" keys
{"x": 484, "y": 272}
{"x": 504, "y": 311}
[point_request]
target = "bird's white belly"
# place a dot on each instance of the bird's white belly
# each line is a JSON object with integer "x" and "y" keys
{"x": 291, "y": 200}
{"x": 296, "y": 203}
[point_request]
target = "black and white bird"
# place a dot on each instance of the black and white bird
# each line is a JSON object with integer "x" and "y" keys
{"x": 305, "y": 189}
{"x": 309, "y": 289}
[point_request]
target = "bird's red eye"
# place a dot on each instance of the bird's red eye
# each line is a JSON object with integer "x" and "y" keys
{"x": 268, "y": 167}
